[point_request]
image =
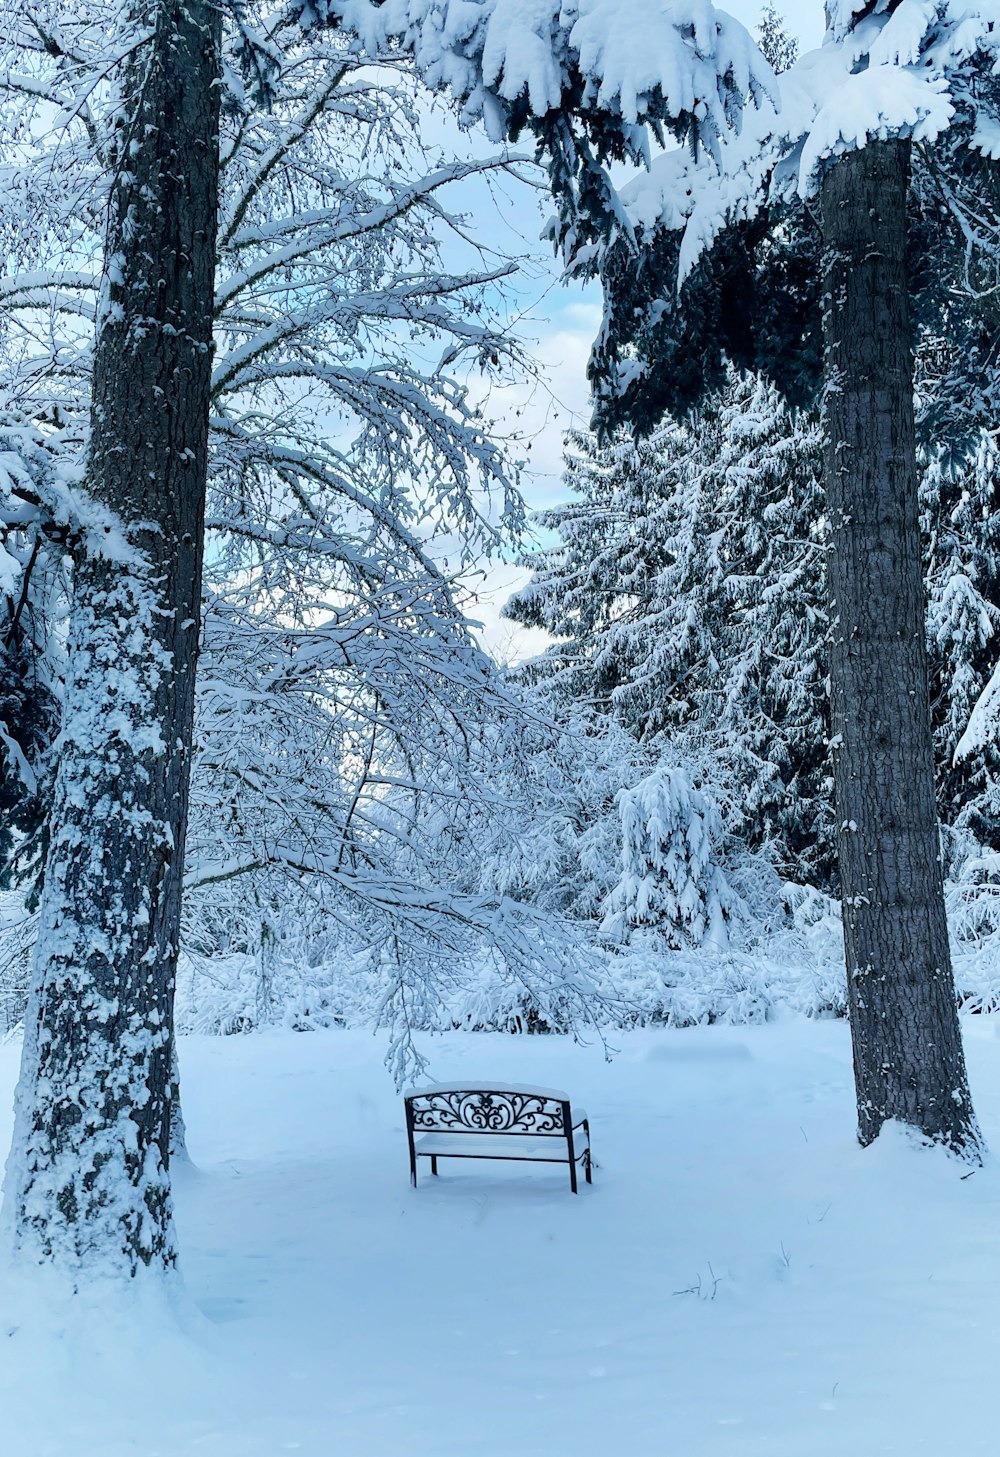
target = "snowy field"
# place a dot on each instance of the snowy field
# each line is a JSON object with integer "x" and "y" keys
{"x": 741, "y": 1279}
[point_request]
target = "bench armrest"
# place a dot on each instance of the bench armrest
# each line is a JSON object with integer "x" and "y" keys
{"x": 579, "y": 1117}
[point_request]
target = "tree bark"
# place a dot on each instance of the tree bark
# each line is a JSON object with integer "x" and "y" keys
{"x": 88, "y": 1181}
{"x": 908, "y": 1058}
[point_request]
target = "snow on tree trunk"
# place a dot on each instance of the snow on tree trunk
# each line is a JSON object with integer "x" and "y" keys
{"x": 88, "y": 1179}
{"x": 908, "y": 1058}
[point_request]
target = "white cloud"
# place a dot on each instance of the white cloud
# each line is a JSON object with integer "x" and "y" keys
{"x": 506, "y": 642}
{"x": 539, "y": 412}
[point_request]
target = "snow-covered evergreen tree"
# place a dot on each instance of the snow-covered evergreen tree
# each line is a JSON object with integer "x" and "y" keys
{"x": 686, "y": 591}
{"x": 87, "y": 1185}
{"x": 670, "y": 884}
{"x": 687, "y": 595}
{"x": 887, "y": 80}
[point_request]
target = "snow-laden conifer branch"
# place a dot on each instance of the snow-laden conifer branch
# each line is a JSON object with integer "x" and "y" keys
{"x": 682, "y": 62}
{"x": 353, "y": 219}
{"x": 272, "y": 158}
{"x": 898, "y": 69}
{"x": 590, "y": 89}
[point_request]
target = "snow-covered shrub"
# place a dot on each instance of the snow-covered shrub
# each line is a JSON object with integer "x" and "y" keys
{"x": 551, "y": 831}
{"x": 670, "y": 883}
{"x": 785, "y": 954}
{"x": 637, "y": 985}
{"x": 683, "y": 989}
{"x": 235, "y": 993}
{"x": 973, "y": 900}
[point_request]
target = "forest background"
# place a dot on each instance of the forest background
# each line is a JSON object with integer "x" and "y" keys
{"x": 629, "y": 833}
{"x": 387, "y": 827}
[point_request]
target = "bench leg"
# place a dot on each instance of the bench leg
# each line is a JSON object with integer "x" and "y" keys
{"x": 572, "y": 1176}
{"x": 434, "y": 1164}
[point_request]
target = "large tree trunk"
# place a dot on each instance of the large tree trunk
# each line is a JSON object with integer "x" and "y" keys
{"x": 88, "y": 1177}
{"x": 908, "y": 1059}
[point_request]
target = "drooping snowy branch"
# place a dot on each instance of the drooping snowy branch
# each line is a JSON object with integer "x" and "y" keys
{"x": 896, "y": 70}
{"x": 589, "y": 88}
{"x": 345, "y": 707}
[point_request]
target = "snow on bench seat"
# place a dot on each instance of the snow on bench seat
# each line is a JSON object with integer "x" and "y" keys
{"x": 492, "y": 1146}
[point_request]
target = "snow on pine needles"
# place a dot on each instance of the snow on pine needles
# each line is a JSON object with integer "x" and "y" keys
{"x": 741, "y": 1278}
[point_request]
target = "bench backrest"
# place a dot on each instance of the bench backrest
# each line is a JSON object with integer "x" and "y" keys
{"x": 488, "y": 1110}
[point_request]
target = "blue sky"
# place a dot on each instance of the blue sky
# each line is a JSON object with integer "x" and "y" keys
{"x": 803, "y": 17}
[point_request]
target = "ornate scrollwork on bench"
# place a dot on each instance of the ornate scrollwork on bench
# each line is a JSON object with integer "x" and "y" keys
{"x": 488, "y": 1112}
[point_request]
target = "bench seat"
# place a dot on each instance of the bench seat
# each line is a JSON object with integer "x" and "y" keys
{"x": 494, "y": 1146}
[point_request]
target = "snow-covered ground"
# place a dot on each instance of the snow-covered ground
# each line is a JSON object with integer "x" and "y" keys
{"x": 741, "y": 1279}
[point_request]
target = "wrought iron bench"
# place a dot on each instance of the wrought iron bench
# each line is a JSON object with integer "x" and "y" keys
{"x": 529, "y": 1125}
